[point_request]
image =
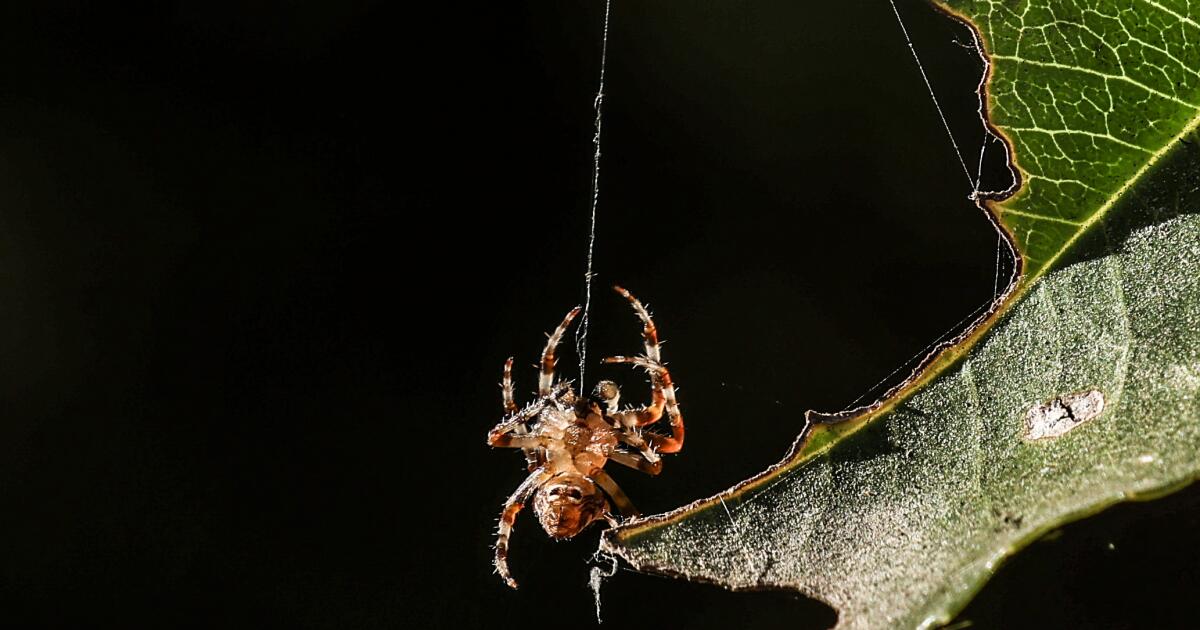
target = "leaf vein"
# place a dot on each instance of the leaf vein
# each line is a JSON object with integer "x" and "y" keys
{"x": 1097, "y": 73}
{"x": 1080, "y": 132}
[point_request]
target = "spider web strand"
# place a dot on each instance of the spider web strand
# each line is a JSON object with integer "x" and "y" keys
{"x": 582, "y": 332}
{"x": 913, "y": 49}
{"x": 975, "y": 181}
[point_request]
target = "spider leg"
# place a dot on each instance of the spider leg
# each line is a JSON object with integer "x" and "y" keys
{"x": 631, "y": 417}
{"x": 649, "y": 331}
{"x": 663, "y": 389}
{"x": 518, "y": 420}
{"x": 634, "y": 439}
{"x": 660, "y": 380}
{"x": 533, "y": 458}
{"x": 614, "y": 492}
{"x": 527, "y": 441}
{"x": 641, "y": 416}
{"x": 546, "y": 380}
{"x": 500, "y": 435}
{"x": 511, "y": 508}
{"x": 637, "y": 461}
{"x": 506, "y": 388}
{"x": 505, "y": 436}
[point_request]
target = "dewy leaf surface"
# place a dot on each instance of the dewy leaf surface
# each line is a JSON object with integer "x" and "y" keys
{"x": 898, "y": 515}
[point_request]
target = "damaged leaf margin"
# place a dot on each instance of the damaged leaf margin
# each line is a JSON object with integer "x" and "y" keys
{"x": 1089, "y": 240}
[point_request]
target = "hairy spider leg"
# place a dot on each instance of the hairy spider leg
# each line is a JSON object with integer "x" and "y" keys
{"x": 509, "y": 516}
{"x": 662, "y": 443}
{"x": 533, "y": 457}
{"x": 546, "y": 380}
{"x": 501, "y": 434}
{"x": 614, "y": 492}
{"x": 506, "y": 388}
{"x": 662, "y": 389}
{"x": 508, "y": 440}
{"x": 512, "y": 423}
{"x": 632, "y": 417}
{"x": 633, "y": 437}
{"x": 637, "y": 461}
{"x": 649, "y": 331}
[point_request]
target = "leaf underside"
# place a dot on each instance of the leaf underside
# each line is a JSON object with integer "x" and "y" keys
{"x": 897, "y": 517}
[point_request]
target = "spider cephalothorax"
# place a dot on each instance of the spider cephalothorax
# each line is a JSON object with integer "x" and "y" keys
{"x": 568, "y": 439}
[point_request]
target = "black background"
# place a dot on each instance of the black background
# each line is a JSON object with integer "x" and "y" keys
{"x": 261, "y": 265}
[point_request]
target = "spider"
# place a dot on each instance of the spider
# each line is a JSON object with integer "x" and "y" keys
{"x": 567, "y": 440}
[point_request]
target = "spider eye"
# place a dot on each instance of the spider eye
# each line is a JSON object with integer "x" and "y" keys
{"x": 575, "y": 494}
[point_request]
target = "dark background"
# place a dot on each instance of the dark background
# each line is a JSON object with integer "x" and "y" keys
{"x": 261, "y": 265}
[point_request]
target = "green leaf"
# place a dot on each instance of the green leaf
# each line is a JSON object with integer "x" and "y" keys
{"x": 1081, "y": 391}
{"x": 1092, "y": 97}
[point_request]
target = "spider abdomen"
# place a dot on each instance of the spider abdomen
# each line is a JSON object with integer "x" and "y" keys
{"x": 567, "y": 504}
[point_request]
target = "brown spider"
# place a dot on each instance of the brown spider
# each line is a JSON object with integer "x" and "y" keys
{"x": 568, "y": 439}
